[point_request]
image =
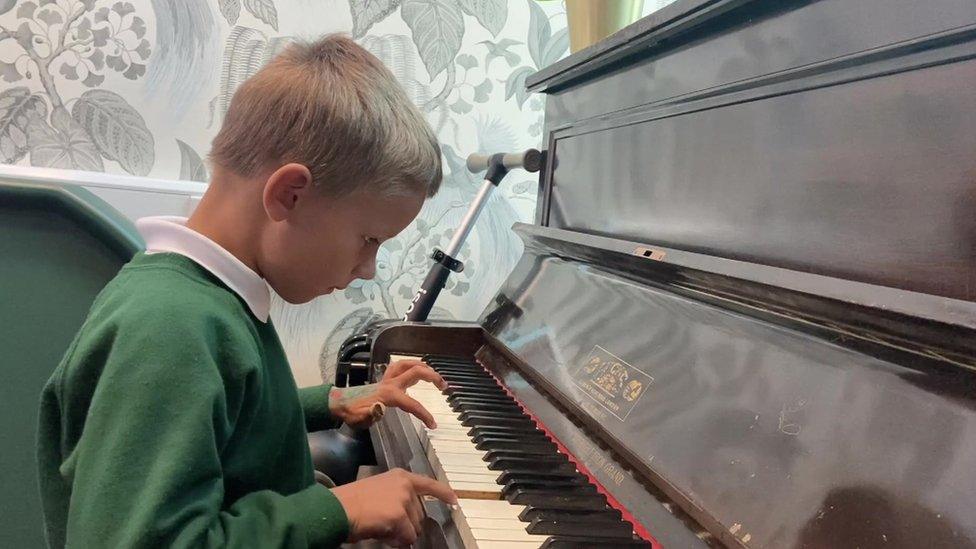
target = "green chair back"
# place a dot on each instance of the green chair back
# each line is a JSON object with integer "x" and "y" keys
{"x": 59, "y": 246}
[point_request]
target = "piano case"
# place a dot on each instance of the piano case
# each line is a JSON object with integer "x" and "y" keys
{"x": 747, "y": 307}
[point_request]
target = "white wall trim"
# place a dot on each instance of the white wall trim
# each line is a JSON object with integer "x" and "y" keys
{"x": 105, "y": 180}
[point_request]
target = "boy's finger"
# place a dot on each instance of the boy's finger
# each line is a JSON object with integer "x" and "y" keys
{"x": 426, "y": 486}
{"x": 418, "y": 373}
{"x": 404, "y": 534}
{"x": 400, "y": 366}
{"x": 404, "y": 402}
{"x": 416, "y": 513}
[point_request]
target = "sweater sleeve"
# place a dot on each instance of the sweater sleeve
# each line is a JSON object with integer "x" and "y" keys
{"x": 315, "y": 406}
{"x": 146, "y": 470}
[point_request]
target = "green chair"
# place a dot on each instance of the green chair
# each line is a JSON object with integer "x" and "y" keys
{"x": 59, "y": 246}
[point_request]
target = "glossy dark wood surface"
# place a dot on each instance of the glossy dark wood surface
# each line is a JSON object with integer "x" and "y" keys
{"x": 779, "y": 436}
{"x": 830, "y": 137}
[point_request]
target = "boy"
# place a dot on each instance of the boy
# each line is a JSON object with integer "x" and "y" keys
{"x": 173, "y": 419}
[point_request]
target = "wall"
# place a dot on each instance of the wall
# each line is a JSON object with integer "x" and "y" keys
{"x": 138, "y": 88}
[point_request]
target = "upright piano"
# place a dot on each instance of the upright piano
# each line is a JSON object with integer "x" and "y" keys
{"x": 745, "y": 315}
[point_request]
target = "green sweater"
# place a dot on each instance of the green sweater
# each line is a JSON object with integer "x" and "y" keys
{"x": 174, "y": 420}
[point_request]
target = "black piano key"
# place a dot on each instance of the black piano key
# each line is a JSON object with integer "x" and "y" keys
{"x": 532, "y": 454}
{"x": 589, "y": 527}
{"x": 499, "y": 397}
{"x": 489, "y": 431}
{"x": 556, "y": 462}
{"x": 584, "y": 542}
{"x": 473, "y": 377}
{"x": 501, "y": 444}
{"x": 437, "y": 359}
{"x": 521, "y": 474}
{"x": 530, "y": 514}
{"x": 468, "y": 396}
{"x": 505, "y": 437}
{"x": 475, "y": 393}
{"x": 462, "y": 401}
{"x": 550, "y": 499}
{"x": 503, "y": 430}
{"x": 450, "y": 376}
{"x": 512, "y": 490}
{"x": 470, "y": 380}
{"x": 460, "y": 368}
{"x": 462, "y": 373}
{"x": 461, "y": 406}
{"x": 484, "y": 397}
{"x": 527, "y": 435}
{"x": 475, "y": 385}
{"x": 474, "y": 420}
{"x": 483, "y": 387}
{"x": 465, "y": 396}
{"x": 455, "y": 364}
{"x": 510, "y": 414}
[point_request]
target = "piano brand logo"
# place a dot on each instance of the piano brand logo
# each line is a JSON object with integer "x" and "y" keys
{"x": 611, "y": 382}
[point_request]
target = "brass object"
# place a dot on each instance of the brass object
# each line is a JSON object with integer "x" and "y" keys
{"x": 593, "y": 20}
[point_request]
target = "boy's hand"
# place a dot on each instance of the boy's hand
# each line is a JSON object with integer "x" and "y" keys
{"x": 387, "y": 507}
{"x": 356, "y": 406}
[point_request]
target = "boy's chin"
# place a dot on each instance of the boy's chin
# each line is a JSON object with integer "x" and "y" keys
{"x": 300, "y": 297}
{"x": 296, "y": 297}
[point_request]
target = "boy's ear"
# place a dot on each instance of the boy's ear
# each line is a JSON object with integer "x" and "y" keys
{"x": 284, "y": 188}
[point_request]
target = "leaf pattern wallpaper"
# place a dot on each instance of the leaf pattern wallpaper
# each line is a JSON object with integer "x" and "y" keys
{"x": 139, "y": 88}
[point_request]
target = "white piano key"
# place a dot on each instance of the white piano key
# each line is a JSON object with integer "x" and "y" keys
{"x": 490, "y": 509}
{"x": 507, "y": 534}
{"x": 460, "y": 459}
{"x": 481, "y": 523}
{"x": 478, "y": 468}
{"x": 446, "y": 434}
{"x": 456, "y": 476}
{"x": 477, "y": 490}
{"x": 456, "y": 446}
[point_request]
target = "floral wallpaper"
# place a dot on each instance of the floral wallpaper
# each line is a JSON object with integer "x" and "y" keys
{"x": 139, "y": 87}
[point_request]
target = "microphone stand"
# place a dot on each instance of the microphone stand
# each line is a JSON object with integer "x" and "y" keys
{"x": 446, "y": 262}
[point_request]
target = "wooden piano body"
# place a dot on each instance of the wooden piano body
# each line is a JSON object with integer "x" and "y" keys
{"x": 747, "y": 307}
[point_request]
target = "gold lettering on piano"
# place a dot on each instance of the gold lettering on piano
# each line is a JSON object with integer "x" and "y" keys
{"x": 595, "y": 460}
{"x": 611, "y": 382}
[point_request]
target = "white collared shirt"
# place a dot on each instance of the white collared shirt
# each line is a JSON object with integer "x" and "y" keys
{"x": 170, "y": 234}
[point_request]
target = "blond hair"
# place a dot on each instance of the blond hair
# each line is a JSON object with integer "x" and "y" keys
{"x": 333, "y": 107}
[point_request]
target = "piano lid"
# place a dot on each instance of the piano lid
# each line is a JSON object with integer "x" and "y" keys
{"x": 753, "y": 273}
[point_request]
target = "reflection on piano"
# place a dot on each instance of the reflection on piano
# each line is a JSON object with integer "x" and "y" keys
{"x": 746, "y": 313}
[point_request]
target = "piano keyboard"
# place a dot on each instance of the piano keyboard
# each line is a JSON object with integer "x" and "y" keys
{"x": 515, "y": 489}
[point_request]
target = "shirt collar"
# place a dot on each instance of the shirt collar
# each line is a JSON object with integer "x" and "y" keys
{"x": 170, "y": 234}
